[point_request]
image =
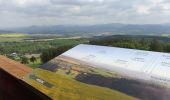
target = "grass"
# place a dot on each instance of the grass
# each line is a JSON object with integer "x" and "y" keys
{"x": 35, "y": 64}
{"x": 69, "y": 89}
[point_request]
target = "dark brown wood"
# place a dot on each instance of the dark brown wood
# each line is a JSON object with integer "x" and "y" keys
{"x": 13, "y": 89}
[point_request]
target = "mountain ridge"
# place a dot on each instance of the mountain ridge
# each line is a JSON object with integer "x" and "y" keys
{"x": 113, "y": 28}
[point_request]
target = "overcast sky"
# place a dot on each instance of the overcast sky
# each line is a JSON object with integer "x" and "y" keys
{"x": 16, "y": 13}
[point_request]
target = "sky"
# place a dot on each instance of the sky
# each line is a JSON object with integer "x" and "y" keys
{"x": 20, "y": 13}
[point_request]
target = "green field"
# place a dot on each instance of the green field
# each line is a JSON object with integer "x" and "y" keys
{"x": 35, "y": 64}
{"x": 69, "y": 89}
{"x": 25, "y": 43}
{"x": 33, "y": 47}
{"x": 12, "y": 37}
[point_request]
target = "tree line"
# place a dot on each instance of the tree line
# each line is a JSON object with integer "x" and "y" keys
{"x": 48, "y": 53}
{"x": 53, "y": 52}
{"x": 141, "y": 44}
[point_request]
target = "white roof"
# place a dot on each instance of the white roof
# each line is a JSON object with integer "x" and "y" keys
{"x": 152, "y": 63}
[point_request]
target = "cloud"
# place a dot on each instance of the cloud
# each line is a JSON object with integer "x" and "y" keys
{"x": 37, "y": 12}
{"x": 142, "y": 9}
{"x": 29, "y": 3}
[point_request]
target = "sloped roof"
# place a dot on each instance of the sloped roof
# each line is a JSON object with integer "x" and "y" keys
{"x": 14, "y": 68}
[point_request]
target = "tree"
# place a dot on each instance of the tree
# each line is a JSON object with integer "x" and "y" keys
{"x": 156, "y": 46}
{"x": 24, "y": 60}
{"x": 53, "y": 52}
{"x": 167, "y": 49}
{"x": 33, "y": 59}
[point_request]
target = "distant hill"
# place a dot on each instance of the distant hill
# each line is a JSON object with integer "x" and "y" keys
{"x": 4, "y": 31}
{"x": 103, "y": 29}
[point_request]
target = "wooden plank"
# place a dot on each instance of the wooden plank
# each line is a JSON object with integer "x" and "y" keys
{"x": 14, "y": 68}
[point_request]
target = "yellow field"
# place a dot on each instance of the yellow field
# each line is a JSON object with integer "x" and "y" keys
{"x": 13, "y": 35}
{"x": 69, "y": 89}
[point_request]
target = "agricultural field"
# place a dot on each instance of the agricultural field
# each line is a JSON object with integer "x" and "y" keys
{"x": 57, "y": 79}
{"x": 64, "y": 88}
{"x": 13, "y": 35}
{"x": 20, "y": 45}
